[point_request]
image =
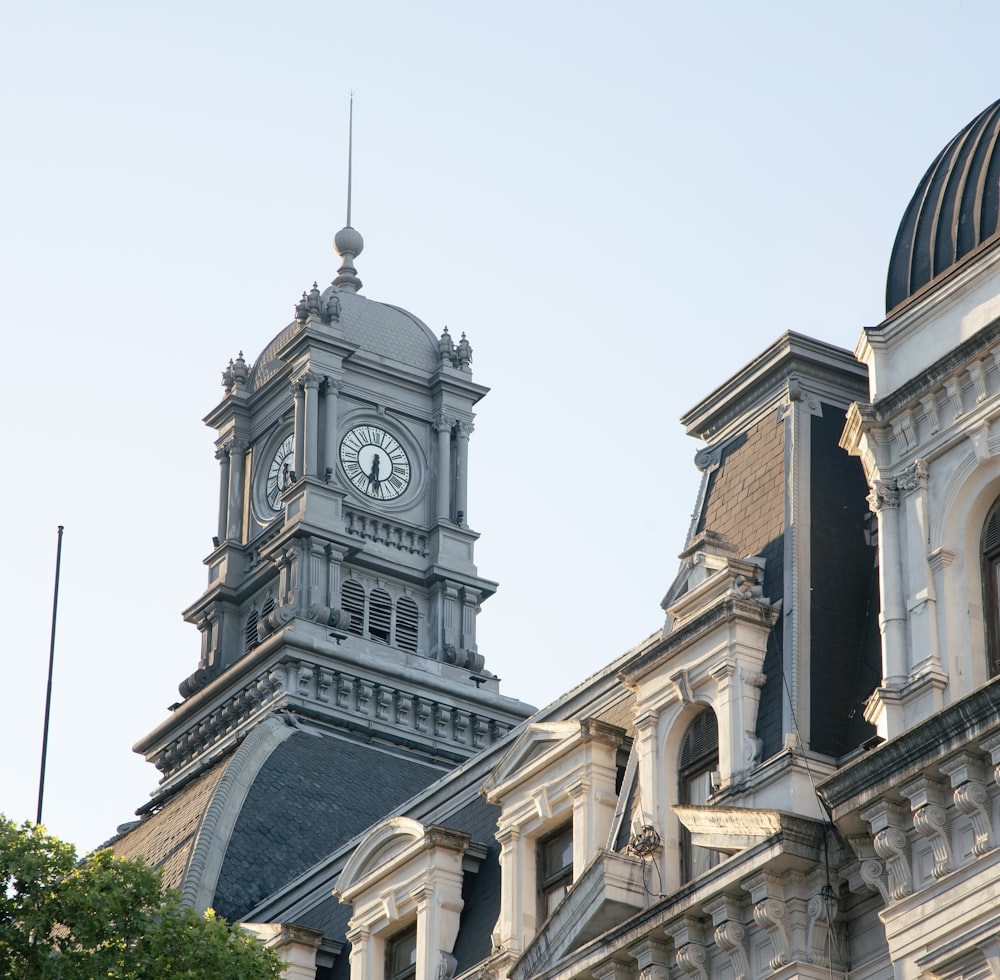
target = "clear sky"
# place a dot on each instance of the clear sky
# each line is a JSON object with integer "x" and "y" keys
{"x": 620, "y": 204}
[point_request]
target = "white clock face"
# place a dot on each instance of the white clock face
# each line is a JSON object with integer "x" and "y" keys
{"x": 278, "y": 474}
{"x": 375, "y": 462}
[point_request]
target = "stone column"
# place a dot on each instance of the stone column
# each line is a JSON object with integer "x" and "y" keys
{"x": 331, "y": 389}
{"x": 884, "y": 501}
{"x": 299, "y": 446}
{"x": 237, "y": 455}
{"x": 310, "y": 387}
{"x": 462, "y": 431}
{"x": 222, "y": 455}
{"x": 443, "y": 427}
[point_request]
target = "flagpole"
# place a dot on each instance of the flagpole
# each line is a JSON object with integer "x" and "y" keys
{"x": 48, "y": 690}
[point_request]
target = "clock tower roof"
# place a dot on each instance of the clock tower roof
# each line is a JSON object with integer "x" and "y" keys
{"x": 380, "y": 328}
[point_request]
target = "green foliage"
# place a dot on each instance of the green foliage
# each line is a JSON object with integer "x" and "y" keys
{"x": 106, "y": 917}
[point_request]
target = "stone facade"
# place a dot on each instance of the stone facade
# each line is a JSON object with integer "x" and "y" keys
{"x": 796, "y": 777}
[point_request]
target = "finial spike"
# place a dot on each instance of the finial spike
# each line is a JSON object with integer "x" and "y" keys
{"x": 350, "y": 155}
{"x": 348, "y": 242}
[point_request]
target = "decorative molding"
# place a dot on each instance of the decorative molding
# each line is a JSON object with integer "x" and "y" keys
{"x": 968, "y": 780}
{"x": 730, "y": 933}
{"x": 914, "y": 477}
{"x": 884, "y": 495}
{"x": 769, "y": 912}
{"x": 929, "y": 404}
{"x": 371, "y": 528}
{"x": 223, "y": 810}
{"x": 887, "y": 821}
{"x": 927, "y": 797}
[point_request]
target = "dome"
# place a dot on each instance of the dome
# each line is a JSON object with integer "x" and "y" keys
{"x": 379, "y": 328}
{"x": 952, "y": 212}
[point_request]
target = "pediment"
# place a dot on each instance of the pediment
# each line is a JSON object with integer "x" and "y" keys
{"x": 534, "y": 744}
{"x": 541, "y": 744}
{"x": 379, "y": 849}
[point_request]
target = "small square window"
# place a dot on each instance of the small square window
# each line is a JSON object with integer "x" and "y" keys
{"x": 401, "y": 955}
{"x": 555, "y": 870}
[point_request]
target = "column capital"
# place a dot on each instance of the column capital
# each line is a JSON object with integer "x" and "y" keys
{"x": 884, "y": 495}
{"x": 308, "y": 379}
{"x": 913, "y": 477}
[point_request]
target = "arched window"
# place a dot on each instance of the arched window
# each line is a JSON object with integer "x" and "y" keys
{"x": 352, "y": 602}
{"x": 379, "y": 615}
{"x": 699, "y": 759}
{"x": 990, "y": 554}
{"x": 407, "y": 617}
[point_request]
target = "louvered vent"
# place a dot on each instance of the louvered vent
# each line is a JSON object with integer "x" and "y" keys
{"x": 406, "y": 624}
{"x": 251, "y": 630}
{"x": 352, "y": 600}
{"x": 701, "y": 741}
{"x": 991, "y": 533}
{"x": 379, "y": 615}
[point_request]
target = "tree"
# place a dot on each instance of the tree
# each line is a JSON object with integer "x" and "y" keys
{"x": 66, "y": 919}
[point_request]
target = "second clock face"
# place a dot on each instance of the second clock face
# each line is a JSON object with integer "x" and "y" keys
{"x": 375, "y": 462}
{"x": 278, "y": 474}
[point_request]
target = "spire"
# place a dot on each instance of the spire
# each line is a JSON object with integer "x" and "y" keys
{"x": 348, "y": 243}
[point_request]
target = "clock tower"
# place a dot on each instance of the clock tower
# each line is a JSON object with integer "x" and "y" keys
{"x": 342, "y": 587}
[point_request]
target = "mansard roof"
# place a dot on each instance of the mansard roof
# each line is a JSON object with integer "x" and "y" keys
{"x": 285, "y": 799}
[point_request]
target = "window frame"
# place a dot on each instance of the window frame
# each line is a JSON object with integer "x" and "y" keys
{"x": 699, "y": 766}
{"x": 396, "y": 942}
{"x": 989, "y": 563}
{"x": 559, "y": 882}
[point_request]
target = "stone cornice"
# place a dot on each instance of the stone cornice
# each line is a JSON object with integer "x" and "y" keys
{"x": 295, "y": 669}
{"x": 819, "y": 366}
{"x": 730, "y": 610}
{"x": 867, "y": 778}
{"x": 934, "y": 375}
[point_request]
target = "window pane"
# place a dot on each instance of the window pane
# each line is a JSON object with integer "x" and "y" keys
{"x": 557, "y": 853}
{"x": 401, "y": 956}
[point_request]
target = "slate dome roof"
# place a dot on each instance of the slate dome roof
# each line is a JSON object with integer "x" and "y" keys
{"x": 953, "y": 210}
{"x": 382, "y": 329}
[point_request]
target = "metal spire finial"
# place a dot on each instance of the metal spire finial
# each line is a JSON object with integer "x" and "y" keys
{"x": 348, "y": 243}
{"x": 350, "y": 155}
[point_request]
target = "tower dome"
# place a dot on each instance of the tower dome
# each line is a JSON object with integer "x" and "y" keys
{"x": 953, "y": 210}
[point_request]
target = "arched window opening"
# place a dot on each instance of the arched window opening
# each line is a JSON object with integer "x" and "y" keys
{"x": 990, "y": 555}
{"x": 699, "y": 759}
{"x": 352, "y": 602}
{"x": 406, "y": 624}
{"x": 379, "y": 615}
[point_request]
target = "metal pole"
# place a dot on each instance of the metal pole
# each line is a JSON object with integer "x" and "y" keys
{"x": 48, "y": 690}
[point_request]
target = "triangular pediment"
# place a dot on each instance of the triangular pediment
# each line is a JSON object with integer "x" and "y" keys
{"x": 530, "y": 748}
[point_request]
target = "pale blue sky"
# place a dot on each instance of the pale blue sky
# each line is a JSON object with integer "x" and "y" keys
{"x": 620, "y": 205}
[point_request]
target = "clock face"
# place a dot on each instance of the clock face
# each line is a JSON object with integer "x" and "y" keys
{"x": 375, "y": 462}
{"x": 278, "y": 474}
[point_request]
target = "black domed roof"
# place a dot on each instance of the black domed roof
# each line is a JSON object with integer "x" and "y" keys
{"x": 953, "y": 210}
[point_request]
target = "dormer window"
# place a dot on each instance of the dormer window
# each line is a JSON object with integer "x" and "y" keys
{"x": 555, "y": 870}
